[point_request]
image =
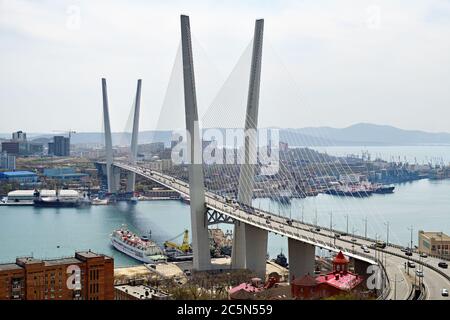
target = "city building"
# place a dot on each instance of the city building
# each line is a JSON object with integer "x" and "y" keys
{"x": 160, "y": 165}
{"x": 19, "y": 146}
{"x": 86, "y": 276}
{"x": 7, "y": 161}
{"x": 138, "y": 292}
{"x": 59, "y": 147}
{"x": 151, "y": 148}
{"x": 11, "y": 147}
{"x": 22, "y": 177}
{"x": 19, "y": 136}
{"x": 64, "y": 174}
{"x": 434, "y": 243}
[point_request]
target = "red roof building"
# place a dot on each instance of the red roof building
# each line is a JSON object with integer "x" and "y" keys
{"x": 339, "y": 281}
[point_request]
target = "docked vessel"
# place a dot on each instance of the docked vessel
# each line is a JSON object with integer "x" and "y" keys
{"x": 179, "y": 252}
{"x": 139, "y": 248}
{"x": 134, "y": 200}
{"x": 382, "y": 189}
{"x": 174, "y": 254}
{"x": 281, "y": 260}
{"x": 350, "y": 191}
{"x": 61, "y": 199}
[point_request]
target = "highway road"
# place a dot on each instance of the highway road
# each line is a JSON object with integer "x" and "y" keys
{"x": 323, "y": 238}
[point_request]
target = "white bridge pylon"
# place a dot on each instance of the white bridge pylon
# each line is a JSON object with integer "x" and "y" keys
{"x": 251, "y": 230}
{"x": 113, "y": 174}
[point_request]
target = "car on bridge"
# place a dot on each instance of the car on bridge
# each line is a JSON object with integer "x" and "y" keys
{"x": 423, "y": 255}
{"x": 381, "y": 244}
{"x": 443, "y": 265}
{"x": 411, "y": 264}
{"x": 444, "y": 292}
{"x": 408, "y": 253}
{"x": 419, "y": 273}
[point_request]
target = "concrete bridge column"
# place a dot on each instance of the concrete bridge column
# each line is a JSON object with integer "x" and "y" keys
{"x": 247, "y": 249}
{"x": 199, "y": 224}
{"x": 238, "y": 252}
{"x": 256, "y": 249}
{"x": 115, "y": 183}
{"x": 108, "y": 137}
{"x": 301, "y": 258}
{"x": 131, "y": 181}
{"x": 131, "y": 176}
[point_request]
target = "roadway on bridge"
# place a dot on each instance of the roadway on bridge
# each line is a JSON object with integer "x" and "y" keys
{"x": 395, "y": 258}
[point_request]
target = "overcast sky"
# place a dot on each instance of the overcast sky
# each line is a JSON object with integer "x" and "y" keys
{"x": 385, "y": 62}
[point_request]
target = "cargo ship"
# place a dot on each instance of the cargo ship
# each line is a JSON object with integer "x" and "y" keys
{"x": 140, "y": 248}
{"x": 383, "y": 189}
{"x": 350, "y": 191}
{"x": 61, "y": 199}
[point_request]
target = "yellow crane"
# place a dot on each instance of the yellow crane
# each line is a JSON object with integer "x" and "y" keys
{"x": 184, "y": 246}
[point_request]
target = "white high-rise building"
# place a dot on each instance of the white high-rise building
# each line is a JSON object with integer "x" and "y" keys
{"x": 19, "y": 136}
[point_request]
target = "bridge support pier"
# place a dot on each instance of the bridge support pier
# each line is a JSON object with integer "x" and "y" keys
{"x": 131, "y": 181}
{"x": 301, "y": 258}
{"x": 131, "y": 176}
{"x": 256, "y": 249}
{"x": 238, "y": 251}
{"x": 199, "y": 223}
{"x": 115, "y": 183}
{"x": 250, "y": 243}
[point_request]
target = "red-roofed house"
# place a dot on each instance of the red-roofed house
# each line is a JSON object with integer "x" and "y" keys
{"x": 339, "y": 281}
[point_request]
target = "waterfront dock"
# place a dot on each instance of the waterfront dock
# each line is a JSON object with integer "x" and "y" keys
{"x": 177, "y": 269}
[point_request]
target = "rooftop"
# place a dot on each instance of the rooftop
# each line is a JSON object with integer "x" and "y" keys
{"x": 43, "y": 192}
{"x": 436, "y": 234}
{"x": 61, "y": 261}
{"x": 343, "y": 281}
{"x": 9, "y": 266}
{"x": 90, "y": 254}
{"x": 245, "y": 287}
{"x": 140, "y": 291}
{"x": 18, "y": 173}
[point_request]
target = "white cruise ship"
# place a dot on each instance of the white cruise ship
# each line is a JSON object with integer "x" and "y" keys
{"x": 139, "y": 248}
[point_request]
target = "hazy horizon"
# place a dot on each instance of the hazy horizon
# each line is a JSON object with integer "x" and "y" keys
{"x": 324, "y": 63}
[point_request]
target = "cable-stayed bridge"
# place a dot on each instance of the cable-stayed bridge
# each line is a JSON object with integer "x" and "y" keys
{"x": 251, "y": 225}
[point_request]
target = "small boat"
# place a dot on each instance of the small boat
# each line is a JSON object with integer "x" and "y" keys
{"x": 134, "y": 200}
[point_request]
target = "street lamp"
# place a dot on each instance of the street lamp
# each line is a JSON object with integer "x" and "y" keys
{"x": 395, "y": 285}
{"x": 354, "y": 231}
{"x": 365, "y": 227}
{"x": 387, "y": 232}
{"x": 347, "y": 221}
{"x": 303, "y": 212}
{"x": 411, "y": 229}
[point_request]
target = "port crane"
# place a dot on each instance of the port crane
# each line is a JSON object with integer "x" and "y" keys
{"x": 184, "y": 246}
